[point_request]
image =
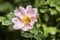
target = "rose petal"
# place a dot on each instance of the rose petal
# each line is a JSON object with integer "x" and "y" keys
{"x": 22, "y": 10}
{"x": 33, "y": 20}
{"x": 28, "y": 8}
{"x": 18, "y": 14}
{"x": 18, "y": 26}
{"x": 27, "y": 27}
{"x": 32, "y": 12}
{"x": 15, "y": 20}
{"x": 16, "y": 10}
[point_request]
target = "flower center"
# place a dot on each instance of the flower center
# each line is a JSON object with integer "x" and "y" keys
{"x": 26, "y": 19}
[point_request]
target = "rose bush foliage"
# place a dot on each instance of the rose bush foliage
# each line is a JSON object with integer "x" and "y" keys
{"x": 47, "y": 26}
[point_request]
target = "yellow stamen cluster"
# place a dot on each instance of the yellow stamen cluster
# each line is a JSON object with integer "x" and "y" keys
{"x": 26, "y": 19}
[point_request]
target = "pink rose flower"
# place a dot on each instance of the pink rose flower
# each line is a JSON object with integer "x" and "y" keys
{"x": 24, "y": 18}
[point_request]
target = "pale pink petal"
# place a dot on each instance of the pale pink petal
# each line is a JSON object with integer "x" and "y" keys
{"x": 28, "y": 8}
{"x": 22, "y": 10}
{"x": 18, "y": 26}
{"x": 33, "y": 20}
{"x": 15, "y": 20}
{"x": 16, "y": 10}
{"x": 27, "y": 27}
{"x": 32, "y": 12}
{"x": 18, "y": 14}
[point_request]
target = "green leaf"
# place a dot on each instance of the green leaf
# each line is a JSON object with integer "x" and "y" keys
{"x": 45, "y": 28}
{"x": 10, "y": 15}
{"x": 26, "y": 34}
{"x": 6, "y": 22}
{"x": 58, "y": 8}
{"x": 39, "y": 36}
{"x": 7, "y": 19}
{"x": 57, "y": 2}
{"x": 52, "y": 30}
{"x": 54, "y": 2}
{"x": 40, "y": 2}
{"x": 2, "y": 18}
{"x": 43, "y": 10}
{"x": 53, "y": 11}
{"x": 46, "y": 17}
{"x": 38, "y": 25}
{"x": 51, "y": 2}
{"x": 34, "y": 31}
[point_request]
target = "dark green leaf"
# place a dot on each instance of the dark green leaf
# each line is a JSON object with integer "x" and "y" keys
{"x": 46, "y": 17}
{"x": 26, "y": 34}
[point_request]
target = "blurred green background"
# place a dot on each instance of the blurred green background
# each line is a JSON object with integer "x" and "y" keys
{"x": 47, "y": 27}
